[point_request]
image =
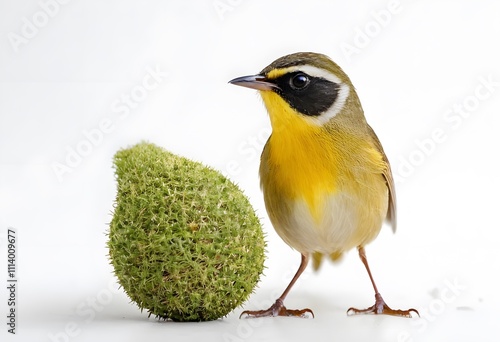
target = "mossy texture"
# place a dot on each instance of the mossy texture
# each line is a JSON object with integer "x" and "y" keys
{"x": 184, "y": 241}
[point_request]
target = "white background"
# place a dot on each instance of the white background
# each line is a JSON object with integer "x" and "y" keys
{"x": 414, "y": 63}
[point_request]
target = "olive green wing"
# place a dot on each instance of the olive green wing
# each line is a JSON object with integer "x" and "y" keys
{"x": 387, "y": 173}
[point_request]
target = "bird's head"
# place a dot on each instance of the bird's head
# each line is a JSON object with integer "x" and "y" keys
{"x": 305, "y": 89}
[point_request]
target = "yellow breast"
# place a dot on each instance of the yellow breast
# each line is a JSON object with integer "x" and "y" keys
{"x": 303, "y": 161}
{"x": 307, "y": 160}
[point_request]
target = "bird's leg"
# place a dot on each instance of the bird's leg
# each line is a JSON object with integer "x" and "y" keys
{"x": 379, "y": 307}
{"x": 278, "y": 308}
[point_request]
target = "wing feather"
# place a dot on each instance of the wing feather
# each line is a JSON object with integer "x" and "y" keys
{"x": 391, "y": 217}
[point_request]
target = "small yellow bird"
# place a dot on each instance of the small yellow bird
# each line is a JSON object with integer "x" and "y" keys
{"x": 326, "y": 180}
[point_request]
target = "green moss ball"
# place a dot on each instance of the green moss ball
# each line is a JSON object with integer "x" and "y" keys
{"x": 184, "y": 241}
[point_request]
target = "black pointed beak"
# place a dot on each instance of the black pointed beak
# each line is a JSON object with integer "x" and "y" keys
{"x": 258, "y": 82}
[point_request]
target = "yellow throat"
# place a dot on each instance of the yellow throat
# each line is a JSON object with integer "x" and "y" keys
{"x": 302, "y": 167}
{"x": 308, "y": 161}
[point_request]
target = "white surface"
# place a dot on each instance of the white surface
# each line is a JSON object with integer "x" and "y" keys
{"x": 67, "y": 79}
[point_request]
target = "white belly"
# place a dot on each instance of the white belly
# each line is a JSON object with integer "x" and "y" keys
{"x": 345, "y": 222}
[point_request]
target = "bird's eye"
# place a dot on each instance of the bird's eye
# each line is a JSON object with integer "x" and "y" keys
{"x": 299, "y": 81}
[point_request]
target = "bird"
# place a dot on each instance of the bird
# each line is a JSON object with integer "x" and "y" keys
{"x": 326, "y": 180}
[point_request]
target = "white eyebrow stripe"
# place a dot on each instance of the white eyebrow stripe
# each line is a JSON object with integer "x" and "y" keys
{"x": 315, "y": 72}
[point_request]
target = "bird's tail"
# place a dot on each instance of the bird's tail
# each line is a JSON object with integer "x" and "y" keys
{"x": 317, "y": 258}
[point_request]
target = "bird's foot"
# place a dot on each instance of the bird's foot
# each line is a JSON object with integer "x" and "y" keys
{"x": 380, "y": 308}
{"x": 277, "y": 309}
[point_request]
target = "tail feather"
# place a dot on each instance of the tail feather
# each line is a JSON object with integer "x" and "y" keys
{"x": 317, "y": 258}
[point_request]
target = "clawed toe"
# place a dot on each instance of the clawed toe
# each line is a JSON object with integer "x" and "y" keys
{"x": 381, "y": 308}
{"x": 278, "y": 309}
